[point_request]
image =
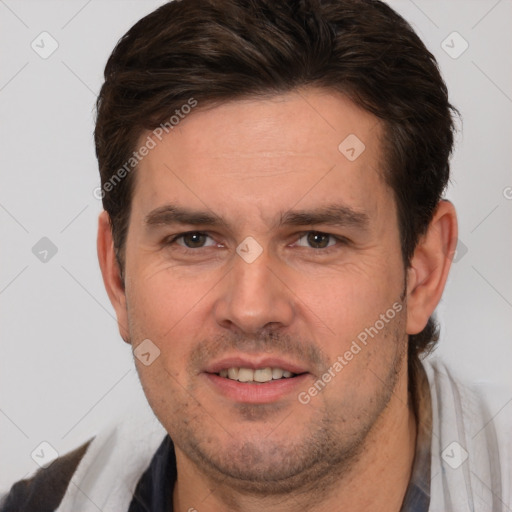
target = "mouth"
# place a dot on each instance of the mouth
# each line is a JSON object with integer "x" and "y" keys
{"x": 256, "y": 380}
{"x": 256, "y": 376}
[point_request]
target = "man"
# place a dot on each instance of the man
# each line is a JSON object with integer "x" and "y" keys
{"x": 274, "y": 244}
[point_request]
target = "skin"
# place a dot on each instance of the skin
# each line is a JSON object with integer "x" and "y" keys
{"x": 249, "y": 162}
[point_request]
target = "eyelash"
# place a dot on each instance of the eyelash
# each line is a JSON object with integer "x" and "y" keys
{"x": 325, "y": 250}
{"x": 173, "y": 239}
{"x": 339, "y": 241}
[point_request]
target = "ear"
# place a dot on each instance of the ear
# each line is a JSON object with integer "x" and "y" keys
{"x": 112, "y": 274}
{"x": 430, "y": 264}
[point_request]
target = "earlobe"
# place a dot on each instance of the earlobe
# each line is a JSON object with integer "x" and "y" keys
{"x": 111, "y": 274}
{"x": 429, "y": 267}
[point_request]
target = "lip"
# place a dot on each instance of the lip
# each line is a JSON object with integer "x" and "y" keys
{"x": 257, "y": 393}
{"x": 253, "y": 363}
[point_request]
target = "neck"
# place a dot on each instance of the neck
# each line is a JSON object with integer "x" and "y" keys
{"x": 377, "y": 480}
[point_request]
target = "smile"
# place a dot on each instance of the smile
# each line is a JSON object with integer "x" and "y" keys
{"x": 258, "y": 376}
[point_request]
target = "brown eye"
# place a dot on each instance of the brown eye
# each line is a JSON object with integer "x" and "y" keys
{"x": 194, "y": 240}
{"x": 316, "y": 240}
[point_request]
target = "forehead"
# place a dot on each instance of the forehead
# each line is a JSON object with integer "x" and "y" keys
{"x": 263, "y": 156}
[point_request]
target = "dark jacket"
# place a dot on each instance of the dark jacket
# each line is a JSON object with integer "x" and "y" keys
{"x": 45, "y": 490}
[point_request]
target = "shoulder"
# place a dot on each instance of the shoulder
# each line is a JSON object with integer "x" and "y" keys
{"x": 104, "y": 470}
{"x": 45, "y": 490}
{"x": 471, "y": 450}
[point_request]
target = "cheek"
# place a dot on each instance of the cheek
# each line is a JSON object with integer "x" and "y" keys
{"x": 161, "y": 297}
{"x": 345, "y": 302}
{"x": 171, "y": 311}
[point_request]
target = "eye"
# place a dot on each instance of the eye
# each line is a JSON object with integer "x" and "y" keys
{"x": 194, "y": 240}
{"x": 316, "y": 240}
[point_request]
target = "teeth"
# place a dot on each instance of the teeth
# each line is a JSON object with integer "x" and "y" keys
{"x": 263, "y": 375}
{"x": 259, "y": 375}
{"x": 277, "y": 373}
{"x": 233, "y": 373}
{"x": 245, "y": 375}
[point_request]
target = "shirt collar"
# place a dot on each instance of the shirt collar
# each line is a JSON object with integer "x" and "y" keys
{"x": 417, "y": 495}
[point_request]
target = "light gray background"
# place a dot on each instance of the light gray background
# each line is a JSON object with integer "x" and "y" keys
{"x": 64, "y": 370}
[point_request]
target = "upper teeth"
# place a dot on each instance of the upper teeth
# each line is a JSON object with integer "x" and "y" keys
{"x": 259, "y": 375}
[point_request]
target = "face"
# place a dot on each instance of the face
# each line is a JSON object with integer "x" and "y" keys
{"x": 264, "y": 263}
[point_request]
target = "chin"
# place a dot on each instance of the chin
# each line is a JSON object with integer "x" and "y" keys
{"x": 260, "y": 463}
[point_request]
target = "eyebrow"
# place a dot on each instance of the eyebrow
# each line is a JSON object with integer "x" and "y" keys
{"x": 171, "y": 214}
{"x": 331, "y": 215}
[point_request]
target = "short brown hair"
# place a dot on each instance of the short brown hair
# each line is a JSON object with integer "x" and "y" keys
{"x": 220, "y": 50}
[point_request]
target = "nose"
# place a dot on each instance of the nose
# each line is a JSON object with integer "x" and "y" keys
{"x": 253, "y": 297}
